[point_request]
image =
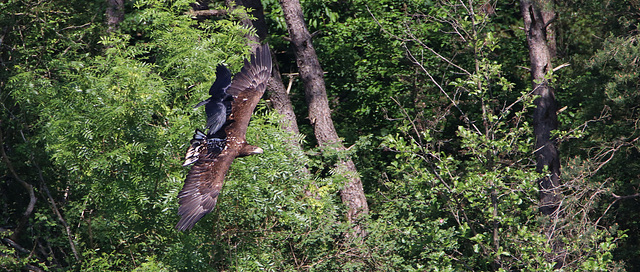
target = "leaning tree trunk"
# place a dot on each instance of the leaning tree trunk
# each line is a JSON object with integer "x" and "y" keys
{"x": 538, "y": 15}
{"x": 280, "y": 100}
{"x": 319, "y": 113}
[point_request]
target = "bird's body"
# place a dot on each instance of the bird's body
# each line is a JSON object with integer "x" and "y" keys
{"x": 228, "y": 111}
{"x": 202, "y": 144}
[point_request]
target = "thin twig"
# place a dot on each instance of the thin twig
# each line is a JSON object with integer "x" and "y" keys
{"x": 619, "y": 197}
{"x": 413, "y": 38}
{"x": 415, "y": 61}
{"x": 75, "y": 27}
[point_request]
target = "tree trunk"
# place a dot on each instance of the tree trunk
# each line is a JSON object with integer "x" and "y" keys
{"x": 115, "y": 14}
{"x": 275, "y": 88}
{"x": 545, "y": 119}
{"x": 319, "y": 113}
{"x": 280, "y": 100}
{"x": 257, "y": 11}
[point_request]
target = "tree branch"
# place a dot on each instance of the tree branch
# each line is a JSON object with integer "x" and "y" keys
{"x": 27, "y": 186}
{"x": 413, "y": 38}
{"x": 57, "y": 212}
{"x": 202, "y": 14}
{"x": 20, "y": 248}
{"x": 75, "y": 27}
{"x": 619, "y": 197}
{"x": 561, "y": 66}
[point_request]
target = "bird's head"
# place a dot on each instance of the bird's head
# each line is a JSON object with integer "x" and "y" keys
{"x": 248, "y": 150}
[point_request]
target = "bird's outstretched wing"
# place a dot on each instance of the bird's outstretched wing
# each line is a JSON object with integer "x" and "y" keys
{"x": 247, "y": 88}
{"x": 206, "y": 177}
{"x": 201, "y": 187}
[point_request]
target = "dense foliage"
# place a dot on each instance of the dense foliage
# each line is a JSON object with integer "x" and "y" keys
{"x": 433, "y": 97}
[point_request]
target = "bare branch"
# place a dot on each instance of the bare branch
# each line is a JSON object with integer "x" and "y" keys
{"x": 32, "y": 197}
{"x": 415, "y": 61}
{"x": 561, "y": 66}
{"x": 201, "y": 14}
{"x": 75, "y": 27}
{"x": 618, "y": 197}
{"x": 57, "y": 212}
{"x": 27, "y": 186}
{"x": 413, "y": 38}
{"x": 438, "y": 55}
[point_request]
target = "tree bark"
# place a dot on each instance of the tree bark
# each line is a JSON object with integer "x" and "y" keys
{"x": 115, "y": 14}
{"x": 538, "y": 16}
{"x": 280, "y": 100}
{"x": 545, "y": 119}
{"x": 257, "y": 11}
{"x": 319, "y": 113}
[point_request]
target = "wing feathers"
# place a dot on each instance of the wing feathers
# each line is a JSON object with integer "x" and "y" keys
{"x": 195, "y": 147}
{"x": 223, "y": 80}
{"x": 254, "y": 74}
{"x": 211, "y": 159}
{"x": 199, "y": 194}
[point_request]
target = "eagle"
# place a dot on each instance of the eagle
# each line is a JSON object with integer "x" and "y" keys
{"x": 228, "y": 112}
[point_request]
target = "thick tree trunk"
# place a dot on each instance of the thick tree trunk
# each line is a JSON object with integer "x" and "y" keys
{"x": 275, "y": 88}
{"x": 548, "y": 16}
{"x": 319, "y": 113}
{"x": 537, "y": 15}
{"x": 115, "y": 14}
{"x": 280, "y": 100}
{"x": 545, "y": 119}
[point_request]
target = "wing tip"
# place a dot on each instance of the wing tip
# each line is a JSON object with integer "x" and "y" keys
{"x": 197, "y": 198}
{"x": 255, "y": 72}
{"x": 189, "y": 218}
{"x": 264, "y": 55}
{"x": 186, "y": 223}
{"x": 181, "y": 226}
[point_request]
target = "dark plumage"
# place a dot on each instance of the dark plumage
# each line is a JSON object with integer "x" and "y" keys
{"x": 198, "y": 144}
{"x": 218, "y": 106}
{"x": 212, "y": 154}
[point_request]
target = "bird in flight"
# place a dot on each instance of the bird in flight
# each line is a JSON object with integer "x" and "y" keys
{"x": 228, "y": 110}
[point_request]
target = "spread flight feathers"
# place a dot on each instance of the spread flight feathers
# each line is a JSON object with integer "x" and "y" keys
{"x": 211, "y": 155}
